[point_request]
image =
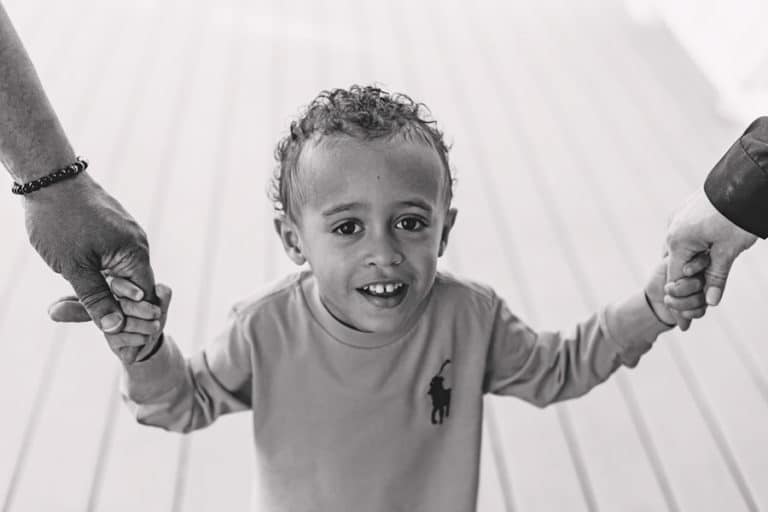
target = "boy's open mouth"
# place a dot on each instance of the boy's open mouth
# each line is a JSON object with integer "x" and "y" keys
{"x": 385, "y": 293}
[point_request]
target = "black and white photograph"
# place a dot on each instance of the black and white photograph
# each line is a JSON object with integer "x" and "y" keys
{"x": 393, "y": 256}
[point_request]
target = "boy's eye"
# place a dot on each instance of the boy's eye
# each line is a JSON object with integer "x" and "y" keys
{"x": 347, "y": 228}
{"x": 411, "y": 224}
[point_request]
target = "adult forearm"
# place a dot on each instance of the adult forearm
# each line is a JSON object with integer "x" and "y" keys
{"x": 32, "y": 141}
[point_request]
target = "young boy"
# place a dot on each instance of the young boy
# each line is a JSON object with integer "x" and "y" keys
{"x": 366, "y": 372}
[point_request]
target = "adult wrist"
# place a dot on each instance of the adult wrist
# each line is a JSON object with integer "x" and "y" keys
{"x": 56, "y": 176}
{"x": 68, "y": 190}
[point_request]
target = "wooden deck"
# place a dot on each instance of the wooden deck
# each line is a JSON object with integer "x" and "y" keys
{"x": 575, "y": 134}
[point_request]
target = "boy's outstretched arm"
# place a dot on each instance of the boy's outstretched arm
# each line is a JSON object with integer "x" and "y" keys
{"x": 167, "y": 390}
{"x": 546, "y": 367}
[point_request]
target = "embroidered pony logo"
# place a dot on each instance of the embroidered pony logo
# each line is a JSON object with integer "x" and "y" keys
{"x": 441, "y": 397}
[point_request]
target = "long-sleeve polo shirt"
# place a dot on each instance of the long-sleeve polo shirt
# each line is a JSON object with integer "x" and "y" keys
{"x": 345, "y": 420}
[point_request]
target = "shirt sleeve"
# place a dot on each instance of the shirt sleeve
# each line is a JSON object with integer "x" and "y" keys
{"x": 547, "y": 367}
{"x": 738, "y": 185}
{"x": 184, "y": 394}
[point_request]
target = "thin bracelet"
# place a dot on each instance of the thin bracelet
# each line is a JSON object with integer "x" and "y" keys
{"x": 648, "y": 301}
{"x": 64, "y": 173}
{"x": 154, "y": 350}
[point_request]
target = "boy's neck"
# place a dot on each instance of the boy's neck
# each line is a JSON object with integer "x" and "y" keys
{"x": 342, "y": 322}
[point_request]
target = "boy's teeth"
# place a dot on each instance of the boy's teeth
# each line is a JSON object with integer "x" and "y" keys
{"x": 381, "y": 288}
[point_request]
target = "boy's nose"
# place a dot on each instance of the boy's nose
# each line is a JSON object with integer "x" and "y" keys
{"x": 383, "y": 253}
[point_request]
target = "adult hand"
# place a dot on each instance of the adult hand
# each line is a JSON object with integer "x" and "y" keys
{"x": 78, "y": 229}
{"x": 698, "y": 227}
{"x": 84, "y": 234}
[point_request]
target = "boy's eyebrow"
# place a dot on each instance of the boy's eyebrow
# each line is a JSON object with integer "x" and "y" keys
{"x": 343, "y": 207}
{"x": 418, "y": 203}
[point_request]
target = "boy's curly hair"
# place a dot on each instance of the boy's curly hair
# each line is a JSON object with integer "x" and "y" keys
{"x": 361, "y": 112}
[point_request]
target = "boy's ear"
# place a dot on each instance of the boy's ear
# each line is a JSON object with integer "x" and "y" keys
{"x": 450, "y": 219}
{"x": 289, "y": 236}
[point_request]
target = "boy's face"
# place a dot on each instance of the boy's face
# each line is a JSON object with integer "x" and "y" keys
{"x": 372, "y": 223}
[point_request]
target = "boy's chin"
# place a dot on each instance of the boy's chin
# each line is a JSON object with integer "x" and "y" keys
{"x": 366, "y": 322}
{"x": 379, "y": 323}
{"x": 380, "y": 327}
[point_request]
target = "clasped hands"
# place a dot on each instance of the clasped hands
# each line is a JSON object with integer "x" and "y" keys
{"x": 698, "y": 228}
{"x": 701, "y": 246}
{"x": 85, "y": 234}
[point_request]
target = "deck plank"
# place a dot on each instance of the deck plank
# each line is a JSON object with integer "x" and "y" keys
{"x": 576, "y": 126}
{"x": 743, "y": 441}
{"x": 61, "y": 430}
{"x": 606, "y": 129}
{"x": 167, "y": 121}
{"x": 220, "y": 471}
{"x": 621, "y": 155}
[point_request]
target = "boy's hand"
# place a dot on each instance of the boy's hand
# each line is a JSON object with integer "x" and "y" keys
{"x": 685, "y": 296}
{"x": 144, "y": 321}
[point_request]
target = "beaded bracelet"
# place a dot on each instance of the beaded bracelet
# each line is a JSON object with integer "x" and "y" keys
{"x": 64, "y": 173}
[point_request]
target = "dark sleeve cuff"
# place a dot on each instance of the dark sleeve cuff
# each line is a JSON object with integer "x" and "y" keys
{"x": 738, "y": 185}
